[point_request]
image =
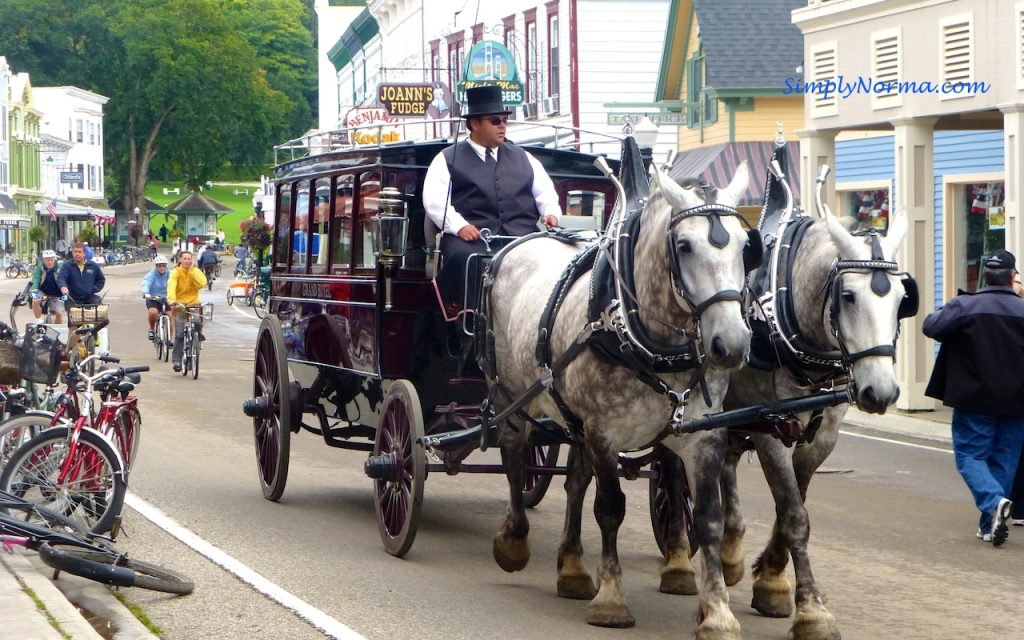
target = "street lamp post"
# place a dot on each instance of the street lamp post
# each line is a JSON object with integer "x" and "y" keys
{"x": 137, "y": 219}
{"x": 646, "y": 134}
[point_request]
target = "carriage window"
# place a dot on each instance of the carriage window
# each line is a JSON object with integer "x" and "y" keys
{"x": 318, "y": 228}
{"x": 584, "y": 210}
{"x": 300, "y": 237}
{"x": 282, "y": 227}
{"x": 369, "y": 188}
{"x": 341, "y": 231}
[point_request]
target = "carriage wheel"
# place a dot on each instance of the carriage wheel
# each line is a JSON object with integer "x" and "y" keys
{"x": 534, "y": 485}
{"x": 660, "y": 498}
{"x": 399, "y": 496}
{"x": 272, "y": 428}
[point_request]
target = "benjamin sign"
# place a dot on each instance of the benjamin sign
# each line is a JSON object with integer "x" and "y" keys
{"x": 406, "y": 100}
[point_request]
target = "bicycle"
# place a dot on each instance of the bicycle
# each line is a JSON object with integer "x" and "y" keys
{"x": 80, "y": 469}
{"x": 162, "y": 333}
{"x": 190, "y": 336}
{"x": 49, "y": 315}
{"x": 65, "y": 546}
{"x": 20, "y": 269}
{"x": 258, "y": 299}
{"x": 82, "y": 316}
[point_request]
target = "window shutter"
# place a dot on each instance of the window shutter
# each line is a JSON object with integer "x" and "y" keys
{"x": 886, "y": 68}
{"x": 824, "y": 62}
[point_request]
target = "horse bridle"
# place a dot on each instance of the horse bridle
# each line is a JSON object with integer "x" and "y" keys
{"x": 718, "y": 236}
{"x": 880, "y": 270}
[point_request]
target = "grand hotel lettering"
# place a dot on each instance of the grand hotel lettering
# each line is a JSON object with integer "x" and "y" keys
{"x": 316, "y": 290}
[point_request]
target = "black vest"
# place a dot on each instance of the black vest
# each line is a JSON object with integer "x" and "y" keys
{"x": 496, "y": 197}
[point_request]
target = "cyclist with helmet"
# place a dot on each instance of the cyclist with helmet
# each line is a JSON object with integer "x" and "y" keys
{"x": 44, "y": 283}
{"x": 154, "y": 290}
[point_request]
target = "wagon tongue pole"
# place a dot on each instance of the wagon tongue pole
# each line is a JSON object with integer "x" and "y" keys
{"x": 777, "y": 411}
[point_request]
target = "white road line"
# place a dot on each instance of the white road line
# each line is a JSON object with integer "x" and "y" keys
{"x": 304, "y": 610}
{"x": 905, "y": 444}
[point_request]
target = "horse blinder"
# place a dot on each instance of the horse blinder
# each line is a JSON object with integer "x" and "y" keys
{"x": 911, "y": 299}
{"x": 753, "y": 253}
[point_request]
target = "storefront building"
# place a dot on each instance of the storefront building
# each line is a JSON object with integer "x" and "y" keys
{"x": 919, "y": 107}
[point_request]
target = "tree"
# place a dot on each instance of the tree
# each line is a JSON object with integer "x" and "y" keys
{"x": 37, "y": 236}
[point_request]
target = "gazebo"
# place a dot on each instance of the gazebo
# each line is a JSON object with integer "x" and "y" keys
{"x": 197, "y": 215}
{"x": 124, "y": 218}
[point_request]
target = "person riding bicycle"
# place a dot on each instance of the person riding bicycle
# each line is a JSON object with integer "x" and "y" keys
{"x": 81, "y": 279}
{"x": 44, "y": 283}
{"x": 183, "y": 288}
{"x": 154, "y": 290}
{"x": 207, "y": 261}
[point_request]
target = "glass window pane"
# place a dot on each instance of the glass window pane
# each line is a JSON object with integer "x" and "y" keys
{"x": 300, "y": 237}
{"x": 282, "y": 226}
{"x": 341, "y": 231}
{"x": 318, "y": 228}
{"x": 369, "y": 188}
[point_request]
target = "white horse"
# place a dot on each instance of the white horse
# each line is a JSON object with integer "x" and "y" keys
{"x": 675, "y": 304}
{"x": 847, "y": 298}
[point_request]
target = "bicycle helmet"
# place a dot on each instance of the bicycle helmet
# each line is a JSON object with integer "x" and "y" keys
{"x": 160, "y": 260}
{"x": 49, "y": 253}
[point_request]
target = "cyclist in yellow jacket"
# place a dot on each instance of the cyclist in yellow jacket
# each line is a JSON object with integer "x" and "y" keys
{"x": 183, "y": 288}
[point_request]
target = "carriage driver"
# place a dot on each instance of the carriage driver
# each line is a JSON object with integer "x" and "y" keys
{"x": 493, "y": 185}
{"x": 44, "y": 283}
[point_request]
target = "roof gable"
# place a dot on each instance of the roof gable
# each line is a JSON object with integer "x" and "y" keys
{"x": 749, "y": 44}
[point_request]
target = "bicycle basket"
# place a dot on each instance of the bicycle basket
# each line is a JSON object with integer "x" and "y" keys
{"x": 10, "y": 363}
{"x": 40, "y": 354}
{"x": 87, "y": 314}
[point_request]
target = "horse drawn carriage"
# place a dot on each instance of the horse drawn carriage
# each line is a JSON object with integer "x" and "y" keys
{"x": 355, "y": 349}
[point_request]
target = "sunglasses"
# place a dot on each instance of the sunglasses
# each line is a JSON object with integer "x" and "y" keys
{"x": 495, "y": 120}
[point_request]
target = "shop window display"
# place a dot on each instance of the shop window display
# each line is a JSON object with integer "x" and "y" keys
{"x": 869, "y": 207}
{"x": 982, "y": 206}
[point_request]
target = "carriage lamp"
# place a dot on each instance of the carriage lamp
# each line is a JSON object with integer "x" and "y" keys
{"x": 388, "y": 231}
{"x": 646, "y": 134}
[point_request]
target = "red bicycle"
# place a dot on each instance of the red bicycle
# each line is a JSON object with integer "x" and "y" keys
{"x": 78, "y": 465}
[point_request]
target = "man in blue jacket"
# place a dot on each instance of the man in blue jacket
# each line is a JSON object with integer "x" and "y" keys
{"x": 81, "y": 279}
{"x": 979, "y": 373}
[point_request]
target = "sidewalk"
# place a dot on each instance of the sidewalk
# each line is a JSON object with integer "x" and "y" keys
{"x": 22, "y": 574}
{"x": 928, "y": 425}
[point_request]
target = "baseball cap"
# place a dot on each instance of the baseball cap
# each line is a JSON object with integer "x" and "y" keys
{"x": 49, "y": 253}
{"x": 1001, "y": 260}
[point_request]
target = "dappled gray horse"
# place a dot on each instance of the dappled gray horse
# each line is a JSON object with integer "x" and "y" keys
{"x": 843, "y": 301}
{"x": 687, "y": 266}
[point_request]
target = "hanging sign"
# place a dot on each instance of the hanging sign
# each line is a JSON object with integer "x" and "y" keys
{"x": 377, "y": 122}
{"x": 490, "y": 62}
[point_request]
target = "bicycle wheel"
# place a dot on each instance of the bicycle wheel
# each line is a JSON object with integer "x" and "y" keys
{"x": 186, "y": 350}
{"x": 158, "y": 342}
{"x": 15, "y": 432}
{"x": 258, "y": 301}
{"x": 114, "y": 568}
{"x": 196, "y": 347}
{"x": 127, "y": 426}
{"x": 216, "y": 271}
{"x": 12, "y": 272}
{"x": 91, "y": 493}
{"x": 165, "y": 335}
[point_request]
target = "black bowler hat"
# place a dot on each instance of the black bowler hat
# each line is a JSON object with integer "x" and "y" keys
{"x": 484, "y": 101}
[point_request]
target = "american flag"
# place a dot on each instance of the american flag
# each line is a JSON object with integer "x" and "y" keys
{"x": 51, "y": 208}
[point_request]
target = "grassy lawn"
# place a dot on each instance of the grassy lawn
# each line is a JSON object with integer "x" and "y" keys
{"x": 224, "y": 193}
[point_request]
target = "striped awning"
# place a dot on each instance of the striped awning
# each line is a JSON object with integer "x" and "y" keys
{"x": 717, "y": 164}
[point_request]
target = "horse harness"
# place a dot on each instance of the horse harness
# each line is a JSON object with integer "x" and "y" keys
{"x": 612, "y": 330}
{"x": 777, "y": 340}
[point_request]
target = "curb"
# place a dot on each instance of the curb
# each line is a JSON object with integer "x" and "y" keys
{"x": 927, "y": 425}
{"x": 69, "y": 619}
{"x": 64, "y": 598}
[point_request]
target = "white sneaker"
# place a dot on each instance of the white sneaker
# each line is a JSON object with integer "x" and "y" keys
{"x": 999, "y": 519}
{"x": 984, "y": 537}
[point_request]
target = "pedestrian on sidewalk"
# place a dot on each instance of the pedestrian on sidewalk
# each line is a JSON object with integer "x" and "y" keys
{"x": 978, "y": 373}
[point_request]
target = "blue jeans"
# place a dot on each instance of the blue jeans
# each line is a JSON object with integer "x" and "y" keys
{"x": 987, "y": 450}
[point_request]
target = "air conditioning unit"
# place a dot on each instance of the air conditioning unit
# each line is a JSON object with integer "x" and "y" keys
{"x": 550, "y": 106}
{"x": 530, "y": 111}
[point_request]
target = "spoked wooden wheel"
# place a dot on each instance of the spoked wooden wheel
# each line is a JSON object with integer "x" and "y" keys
{"x": 535, "y": 485}
{"x": 667, "y": 498}
{"x": 399, "y": 494}
{"x": 272, "y": 425}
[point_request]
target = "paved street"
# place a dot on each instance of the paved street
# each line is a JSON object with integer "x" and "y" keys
{"x": 892, "y": 530}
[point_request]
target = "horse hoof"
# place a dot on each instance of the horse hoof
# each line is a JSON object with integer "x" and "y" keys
{"x": 717, "y": 634}
{"x": 610, "y": 615}
{"x": 511, "y": 554}
{"x": 819, "y": 625}
{"x": 579, "y": 587}
{"x": 680, "y": 583}
{"x": 732, "y": 573}
{"x": 773, "y": 599}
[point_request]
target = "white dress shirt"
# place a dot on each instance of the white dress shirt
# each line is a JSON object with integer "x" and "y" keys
{"x": 437, "y": 191}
